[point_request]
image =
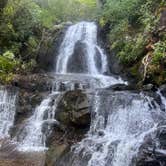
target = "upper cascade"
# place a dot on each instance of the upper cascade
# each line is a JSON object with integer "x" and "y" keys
{"x": 79, "y": 51}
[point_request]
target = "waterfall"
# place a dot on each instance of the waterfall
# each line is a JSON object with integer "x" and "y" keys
{"x": 7, "y": 111}
{"x": 86, "y": 34}
{"x": 120, "y": 124}
{"x": 33, "y": 134}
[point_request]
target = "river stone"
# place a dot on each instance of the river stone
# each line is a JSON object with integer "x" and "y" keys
{"x": 148, "y": 87}
{"x": 122, "y": 87}
{"x": 73, "y": 109}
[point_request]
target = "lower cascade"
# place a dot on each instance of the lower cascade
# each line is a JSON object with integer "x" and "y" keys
{"x": 32, "y": 135}
{"x": 122, "y": 122}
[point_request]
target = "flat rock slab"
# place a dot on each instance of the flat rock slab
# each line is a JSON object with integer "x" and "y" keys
{"x": 9, "y": 156}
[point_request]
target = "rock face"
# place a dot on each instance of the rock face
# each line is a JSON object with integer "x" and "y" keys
{"x": 122, "y": 87}
{"x": 49, "y": 47}
{"x": 41, "y": 82}
{"x": 152, "y": 154}
{"x": 73, "y": 113}
{"x": 32, "y": 90}
{"x": 78, "y": 63}
{"x": 74, "y": 109}
{"x": 74, "y": 118}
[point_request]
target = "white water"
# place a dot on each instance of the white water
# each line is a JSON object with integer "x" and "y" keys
{"x": 86, "y": 32}
{"x": 32, "y": 135}
{"x": 7, "y": 111}
{"x": 121, "y": 123}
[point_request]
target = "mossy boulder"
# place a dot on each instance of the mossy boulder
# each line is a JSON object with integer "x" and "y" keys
{"x": 73, "y": 109}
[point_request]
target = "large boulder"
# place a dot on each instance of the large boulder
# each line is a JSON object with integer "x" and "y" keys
{"x": 73, "y": 109}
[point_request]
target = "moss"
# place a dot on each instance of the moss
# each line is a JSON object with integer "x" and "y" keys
{"x": 156, "y": 74}
{"x": 135, "y": 71}
{"x": 9, "y": 65}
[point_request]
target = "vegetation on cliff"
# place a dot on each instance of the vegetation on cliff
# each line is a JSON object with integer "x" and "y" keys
{"x": 137, "y": 35}
{"x": 23, "y": 24}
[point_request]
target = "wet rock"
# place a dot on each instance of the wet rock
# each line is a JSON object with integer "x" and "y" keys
{"x": 121, "y": 87}
{"x": 152, "y": 154}
{"x": 33, "y": 89}
{"x": 33, "y": 82}
{"x": 49, "y": 47}
{"x": 77, "y": 62}
{"x": 149, "y": 87}
{"x": 73, "y": 109}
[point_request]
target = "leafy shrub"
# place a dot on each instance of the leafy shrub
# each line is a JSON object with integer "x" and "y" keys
{"x": 159, "y": 52}
{"x": 132, "y": 49}
{"x": 131, "y": 21}
{"x": 8, "y": 65}
{"x": 8, "y": 62}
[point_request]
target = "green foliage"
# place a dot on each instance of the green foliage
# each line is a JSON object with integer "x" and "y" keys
{"x": 8, "y": 62}
{"x": 22, "y": 19}
{"x": 130, "y": 22}
{"x": 149, "y": 18}
{"x": 19, "y": 21}
{"x": 22, "y": 23}
{"x": 132, "y": 49}
{"x": 8, "y": 65}
{"x": 136, "y": 32}
{"x": 72, "y": 10}
{"x": 159, "y": 52}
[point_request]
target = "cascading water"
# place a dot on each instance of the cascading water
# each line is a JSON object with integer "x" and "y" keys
{"x": 31, "y": 136}
{"x": 86, "y": 33}
{"x": 121, "y": 122}
{"x": 92, "y": 60}
{"x": 7, "y": 111}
